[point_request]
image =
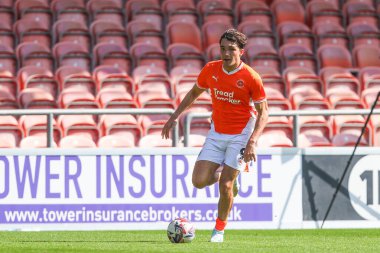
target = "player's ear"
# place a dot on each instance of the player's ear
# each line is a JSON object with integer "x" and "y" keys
{"x": 241, "y": 52}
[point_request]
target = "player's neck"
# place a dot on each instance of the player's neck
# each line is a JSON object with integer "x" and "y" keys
{"x": 232, "y": 68}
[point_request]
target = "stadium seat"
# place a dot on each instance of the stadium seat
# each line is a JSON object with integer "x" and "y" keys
{"x": 8, "y": 59}
{"x": 70, "y": 10}
{"x": 156, "y": 83}
{"x": 112, "y": 54}
{"x": 29, "y": 30}
{"x": 79, "y": 125}
{"x": 212, "y": 31}
{"x": 258, "y": 33}
{"x": 291, "y": 32}
{"x": 154, "y": 140}
{"x": 145, "y": 70}
{"x": 7, "y": 14}
{"x": 148, "y": 98}
{"x": 37, "y": 125}
{"x": 288, "y": 11}
{"x": 322, "y": 11}
{"x": 215, "y": 11}
{"x": 175, "y": 10}
{"x": 343, "y": 98}
{"x": 348, "y": 140}
{"x": 72, "y": 31}
{"x": 331, "y": 33}
{"x": 35, "y": 141}
{"x": 149, "y": 54}
{"x": 152, "y": 124}
{"x": 303, "y": 97}
{"x": 295, "y": 55}
{"x": 108, "y": 31}
{"x": 10, "y": 132}
{"x": 369, "y": 77}
{"x": 71, "y": 54}
{"x": 121, "y": 125}
{"x": 253, "y": 10}
{"x": 333, "y": 77}
{"x": 77, "y": 97}
{"x": 33, "y": 54}
{"x": 306, "y": 140}
{"x": 178, "y": 72}
{"x": 8, "y": 83}
{"x": 272, "y": 79}
{"x": 183, "y": 54}
{"x": 116, "y": 141}
{"x": 38, "y": 77}
{"x": 364, "y": 34}
{"x": 140, "y": 31}
{"x": 76, "y": 141}
{"x": 366, "y": 56}
{"x": 110, "y": 10}
{"x": 148, "y": 10}
{"x": 360, "y": 11}
{"x": 302, "y": 77}
{"x": 275, "y": 136}
{"x": 369, "y": 95}
{"x": 106, "y": 75}
{"x": 69, "y": 76}
{"x": 263, "y": 55}
{"x": 35, "y": 9}
{"x": 7, "y": 37}
{"x": 36, "y": 98}
{"x": 115, "y": 97}
{"x": 7, "y": 100}
{"x": 183, "y": 32}
{"x": 334, "y": 56}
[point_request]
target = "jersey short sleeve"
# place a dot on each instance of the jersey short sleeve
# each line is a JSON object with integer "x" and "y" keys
{"x": 257, "y": 90}
{"x": 203, "y": 76}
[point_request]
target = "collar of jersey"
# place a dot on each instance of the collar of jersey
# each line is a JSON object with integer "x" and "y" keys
{"x": 235, "y": 70}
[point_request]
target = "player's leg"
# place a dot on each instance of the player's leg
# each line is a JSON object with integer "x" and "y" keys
{"x": 205, "y": 173}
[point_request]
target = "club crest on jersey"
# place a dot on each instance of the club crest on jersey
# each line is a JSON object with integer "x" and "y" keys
{"x": 240, "y": 83}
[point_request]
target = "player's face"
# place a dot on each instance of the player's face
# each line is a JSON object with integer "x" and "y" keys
{"x": 230, "y": 54}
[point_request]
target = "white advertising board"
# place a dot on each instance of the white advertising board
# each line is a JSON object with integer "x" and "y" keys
{"x": 140, "y": 189}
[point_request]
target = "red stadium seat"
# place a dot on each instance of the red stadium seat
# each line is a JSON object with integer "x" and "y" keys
{"x": 77, "y": 97}
{"x": 72, "y": 31}
{"x": 113, "y": 55}
{"x": 154, "y": 83}
{"x": 152, "y": 124}
{"x": 116, "y": 141}
{"x": 369, "y": 77}
{"x": 179, "y": 11}
{"x": 79, "y": 125}
{"x": 272, "y": 78}
{"x": 302, "y": 77}
{"x": 215, "y": 11}
{"x": 253, "y": 10}
{"x": 148, "y": 10}
{"x": 8, "y": 83}
{"x": 258, "y": 33}
{"x": 360, "y": 11}
{"x": 178, "y": 72}
{"x": 369, "y": 95}
{"x": 35, "y": 141}
{"x": 115, "y": 97}
{"x": 145, "y": 32}
{"x": 183, "y": 32}
{"x": 212, "y": 31}
{"x": 291, "y": 32}
{"x": 69, "y": 76}
{"x": 333, "y": 77}
{"x": 183, "y": 54}
{"x": 304, "y": 98}
{"x": 142, "y": 71}
{"x": 364, "y": 34}
{"x": 37, "y": 125}
{"x": 36, "y": 98}
{"x": 275, "y": 137}
{"x": 110, "y": 10}
{"x": 7, "y": 37}
{"x": 154, "y": 140}
{"x": 10, "y": 132}
{"x": 108, "y": 32}
{"x": 35, "y": 9}
{"x": 106, "y": 75}
{"x": 8, "y": 59}
{"x": 147, "y": 98}
{"x": 288, "y": 11}
{"x": 29, "y": 30}
{"x": 76, "y": 141}
{"x": 331, "y": 33}
{"x": 149, "y": 54}
{"x": 33, "y": 54}
{"x": 7, "y": 100}
{"x": 70, "y": 10}
{"x": 366, "y": 56}
{"x": 38, "y": 77}
{"x": 322, "y": 11}
{"x": 6, "y": 13}
{"x": 71, "y": 54}
{"x": 263, "y": 55}
{"x": 334, "y": 56}
{"x": 294, "y": 55}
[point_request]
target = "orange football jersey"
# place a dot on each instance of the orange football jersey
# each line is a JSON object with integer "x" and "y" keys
{"x": 232, "y": 95}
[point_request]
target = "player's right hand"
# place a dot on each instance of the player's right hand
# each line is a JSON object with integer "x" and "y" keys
{"x": 167, "y": 128}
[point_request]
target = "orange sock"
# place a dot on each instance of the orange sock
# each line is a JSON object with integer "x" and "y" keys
{"x": 220, "y": 224}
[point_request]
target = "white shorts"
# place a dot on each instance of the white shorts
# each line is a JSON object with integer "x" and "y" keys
{"x": 226, "y": 148}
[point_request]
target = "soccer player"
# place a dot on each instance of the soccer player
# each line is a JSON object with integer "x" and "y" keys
{"x": 239, "y": 115}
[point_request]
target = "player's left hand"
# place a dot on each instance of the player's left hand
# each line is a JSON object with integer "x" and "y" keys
{"x": 250, "y": 152}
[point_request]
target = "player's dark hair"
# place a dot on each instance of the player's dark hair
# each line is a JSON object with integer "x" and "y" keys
{"x": 235, "y": 36}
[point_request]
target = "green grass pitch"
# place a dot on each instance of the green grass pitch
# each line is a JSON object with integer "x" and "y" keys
{"x": 326, "y": 240}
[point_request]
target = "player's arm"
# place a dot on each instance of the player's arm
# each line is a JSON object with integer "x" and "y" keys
{"x": 188, "y": 100}
{"x": 261, "y": 121}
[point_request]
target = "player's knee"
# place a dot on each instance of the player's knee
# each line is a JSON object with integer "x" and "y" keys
{"x": 198, "y": 183}
{"x": 225, "y": 187}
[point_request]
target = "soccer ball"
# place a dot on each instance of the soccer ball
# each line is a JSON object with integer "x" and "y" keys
{"x": 181, "y": 230}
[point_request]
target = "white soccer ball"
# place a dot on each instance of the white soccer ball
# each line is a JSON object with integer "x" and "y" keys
{"x": 181, "y": 230}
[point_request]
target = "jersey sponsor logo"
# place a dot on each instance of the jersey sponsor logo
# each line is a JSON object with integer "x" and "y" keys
{"x": 226, "y": 96}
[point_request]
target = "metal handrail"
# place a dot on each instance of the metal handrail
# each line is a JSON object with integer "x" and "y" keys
{"x": 294, "y": 113}
{"x": 53, "y": 112}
